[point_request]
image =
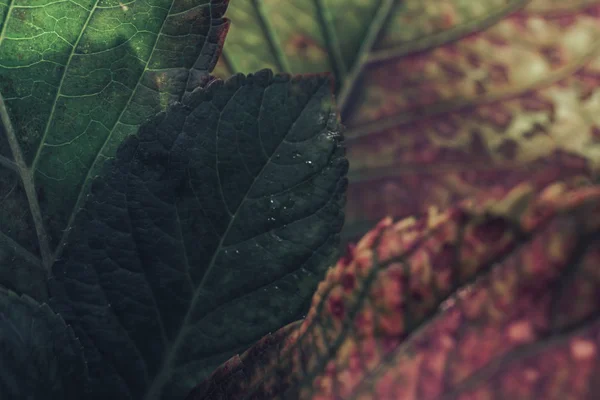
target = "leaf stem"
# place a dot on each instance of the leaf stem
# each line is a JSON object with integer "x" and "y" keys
{"x": 3, "y": 30}
{"x": 270, "y": 35}
{"x": 375, "y": 28}
{"x": 445, "y": 36}
{"x": 331, "y": 43}
{"x": 27, "y": 179}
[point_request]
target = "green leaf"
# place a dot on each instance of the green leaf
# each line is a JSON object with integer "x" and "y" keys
{"x": 210, "y": 229}
{"x": 76, "y": 78}
{"x": 40, "y": 357}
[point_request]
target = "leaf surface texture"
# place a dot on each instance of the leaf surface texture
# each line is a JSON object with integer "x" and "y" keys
{"x": 76, "y": 78}
{"x": 210, "y": 229}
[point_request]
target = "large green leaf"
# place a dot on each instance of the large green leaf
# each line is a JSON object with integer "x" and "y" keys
{"x": 40, "y": 358}
{"x": 76, "y": 78}
{"x": 210, "y": 229}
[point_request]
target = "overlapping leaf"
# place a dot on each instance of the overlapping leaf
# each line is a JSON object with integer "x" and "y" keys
{"x": 498, "y": 297}
{"x": 210, "y": 228}
{"x": 76, "y": 78}
{"x": 443, "y": 99}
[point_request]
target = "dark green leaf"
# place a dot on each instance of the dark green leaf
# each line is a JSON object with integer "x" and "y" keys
{"x": 40, "y": 358}
{"x": 210, "y": 229}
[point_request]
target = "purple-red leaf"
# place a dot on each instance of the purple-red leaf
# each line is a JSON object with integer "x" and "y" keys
{"x": 486, "y": 110}
{"x": 497, "y": 297}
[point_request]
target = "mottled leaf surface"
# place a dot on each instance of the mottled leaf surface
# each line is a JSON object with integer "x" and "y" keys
{"x": 336, "y": 36}
{"x": 76, "y": 78}
{"x": 442, "y": 99}
{"x": 40, "y": 358}
{"x": 496, "y": 297}
{"x": 211, "y": 228}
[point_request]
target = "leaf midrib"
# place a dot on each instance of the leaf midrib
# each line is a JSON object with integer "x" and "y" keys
{"x": 166, "y": 366}
{"x": 8, "y": 11}
{"x": 24, "y": 172}
{"x": 26, "y": 179}
{"x": 269, "y": 32}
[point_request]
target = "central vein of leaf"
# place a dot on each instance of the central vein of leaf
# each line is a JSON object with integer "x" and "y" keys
{"x": 163, "y": 375}
{"x": 3, "y": 31}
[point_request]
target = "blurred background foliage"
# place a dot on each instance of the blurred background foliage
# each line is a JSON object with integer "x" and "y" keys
{"x": 442, "y": 99}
